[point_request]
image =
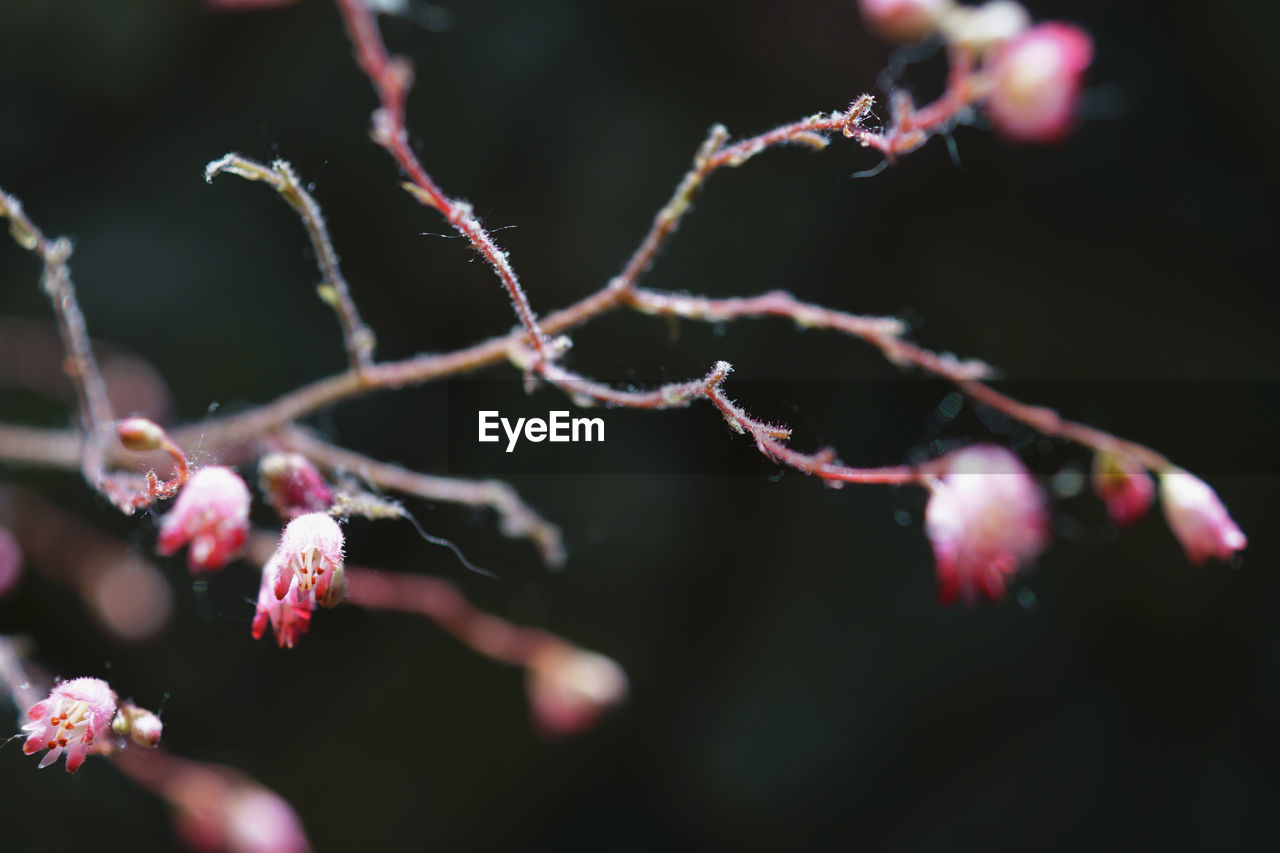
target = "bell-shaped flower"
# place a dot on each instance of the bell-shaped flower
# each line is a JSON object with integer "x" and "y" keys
{"x": 75, "y": 714}
{"x": 569, "y": 688}
{"x": 985, "y": 520}
{"x": 1036, "y": 82}
{"x": 310, "y": 551}
{"x": 1198, "y": 518}
{"x": 289, "y": 617}
{"x": 212, "y": 514}
{"x": 293, "y": 485}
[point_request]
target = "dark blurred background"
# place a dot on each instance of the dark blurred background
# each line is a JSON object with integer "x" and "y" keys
{"x": 795, "y": 685}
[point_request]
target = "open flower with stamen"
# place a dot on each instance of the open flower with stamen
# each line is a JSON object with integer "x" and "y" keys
{"x": 1197, "y": 517}
{"x": 310, "y": 551}
{"x": 289, "y": 617}
{"x": 985, "y": 520}
{"x": 73, "y": 716}
{"x": 212, "y": 513}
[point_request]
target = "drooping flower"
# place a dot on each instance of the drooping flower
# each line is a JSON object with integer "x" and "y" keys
{"x": 310, "y": 551}
{"x": 73, "y": 716}
{"x": 1036, "y": 82}
{"x": 290, "y": 617}
{"x": 211, "y": 513}
{"x": 293, "y": 485}
{"x": 1123, "y": 485}
{"x": 569, "y": 688}
{"x": 902, "y": 20}
{"x": 1197, "y": 518}
{"x": 985, "y": 520}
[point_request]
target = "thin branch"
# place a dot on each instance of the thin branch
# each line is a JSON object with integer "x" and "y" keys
{"x": 516, "y": 518}
{"x": 95, "y": 407}
{"x": 442, "y": 603}
{"x": 358, "y": 337}
{"x": 391, "y": 78}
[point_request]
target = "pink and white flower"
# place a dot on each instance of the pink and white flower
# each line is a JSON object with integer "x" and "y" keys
{"x": 1123, "y": 485}
{"x": 985, "y": 520}
{"x": 570, "y": 688}
{"x": 293, "y": 485}
{"x": 69, "y": 721}
{"x": 1036, "y": 82}
{"x": 310, "y": 552}
{"x": 211, "y": 513}
{"x": 1198, "y": 519}
{"x": 289, "y": 617}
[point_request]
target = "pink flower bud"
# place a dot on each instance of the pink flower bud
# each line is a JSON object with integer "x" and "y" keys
{"x": 1123, "y": 485}
{"x": 310, "y": 550}
{"x": 293, "y": 485}
{"x": 985, "y": 519}
{"x": 570, "y": 688}
{"x": 902, "y": 20}
{"x": 212, "y": 513}
{"x": 140, "y": 434}
{"x": 138, "y": 724}
{"x": 1036, "y": 82}
{"x": 1198, "y": 518}
{"x": 73, "y": 716}
{"x": 290, "y": 617}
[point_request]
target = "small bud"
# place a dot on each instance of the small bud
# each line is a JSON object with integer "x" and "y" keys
{"x": 73, "y": 716}
{"x": 310, "y": 551}
{"x": 140, "y": 434}
{"x": 569, "y": 688}
{"x": 1123, "y": 485}
{"x": 1036, "y": 82}
{"x": 212, "y": 513}
{"x": 1198, "y": 519}
{"x": 292, "y": 485}
{"x": 138, "y": 724}
{"x": 985, "y": 520}
{"x": 902, "y": 20}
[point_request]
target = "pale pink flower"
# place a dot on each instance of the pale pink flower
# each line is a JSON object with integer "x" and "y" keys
{"x": 73, "y": 716}
{"x": 310, "y": 550}
{"x": 1123, "y": 485}
{"x": 1036, "y": 82}
{"x": 570, "y": 688}
{"x": 985, "y": 520}
{"x": 293, "y": 485}
{"x": 902, "y": 20}
{"x": 290, "y": 617}
{"x": 1197, "y": 517}
{"x": 211, "y": 513}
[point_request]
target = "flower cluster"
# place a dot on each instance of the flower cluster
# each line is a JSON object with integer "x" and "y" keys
{"x": 1030, "y": 76}
{"x": 986, "y": 518}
